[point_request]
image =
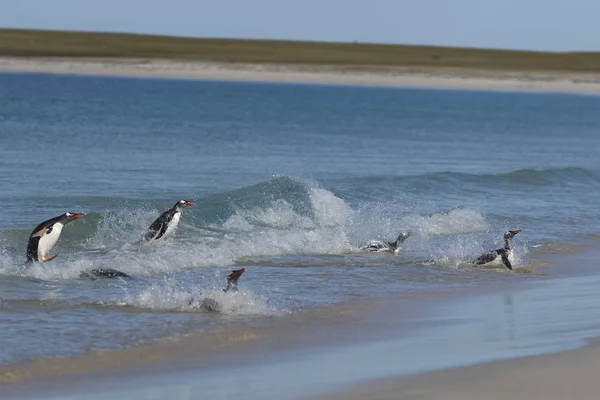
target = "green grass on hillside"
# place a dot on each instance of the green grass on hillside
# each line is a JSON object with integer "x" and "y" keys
{"x": 29, "y": 43}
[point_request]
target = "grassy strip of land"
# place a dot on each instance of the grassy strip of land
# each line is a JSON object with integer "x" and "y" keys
{"x": 34, "y": 43}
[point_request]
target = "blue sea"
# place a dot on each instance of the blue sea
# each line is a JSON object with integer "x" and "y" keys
{"x": 290, "y": 181}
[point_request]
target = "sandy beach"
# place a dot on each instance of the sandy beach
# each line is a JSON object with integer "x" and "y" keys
{"x": 400, "y": 77}
{"x": 570, "y": 375}
{"x": 559, "y": 376}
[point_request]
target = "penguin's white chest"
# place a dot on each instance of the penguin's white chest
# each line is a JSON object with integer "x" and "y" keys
{"x": 172, "y": 224}
{"x": 511, "y": 256}
{"x": 48, "y": 240}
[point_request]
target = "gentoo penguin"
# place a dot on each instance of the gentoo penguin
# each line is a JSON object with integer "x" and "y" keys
{"x": 232, "y": 279}
{"x": 394, "y": 247}
{"x": 210, "y": 304}
{"x": 166, "y": 223}
{"x": 502, "y": 254}
{"x": 45, "y": 236}
{"x": 103, "y": 273}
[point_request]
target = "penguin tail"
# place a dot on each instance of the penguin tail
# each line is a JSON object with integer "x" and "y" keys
{"x": 50, "y": 258}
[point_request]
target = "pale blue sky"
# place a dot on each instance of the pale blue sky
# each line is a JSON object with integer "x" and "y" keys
{"x": 516, "y": 24}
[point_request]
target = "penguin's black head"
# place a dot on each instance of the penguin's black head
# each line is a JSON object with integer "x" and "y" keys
{"x": 71, "y": 216}
{"x": 405, "y": 235}
{"x": 232, "y": 279}
{"x": 400, "y": 240}
{"x": 185, "y": 203}
{"x": 511, "y": 234}
{"x": 402, "y": 237}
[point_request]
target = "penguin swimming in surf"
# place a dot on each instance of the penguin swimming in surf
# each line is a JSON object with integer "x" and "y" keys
{"x": 503, "y": 255}
{"x": 108, "y": 273}
{"x": 232, "y": 279}
{"x": 393, "y": 247}
{"x": 210, "y": 304}
{"x": 166, "y": 223}
{"x": 45, "y": 236}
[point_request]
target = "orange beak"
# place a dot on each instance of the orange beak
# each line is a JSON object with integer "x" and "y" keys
{"x": 77, "y": 216}
{"x": 239, "y": 271}
{"x": 191, "y": 203}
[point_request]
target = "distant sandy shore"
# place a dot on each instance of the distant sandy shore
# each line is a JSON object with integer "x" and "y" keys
{"x": 402, "y": 77}
{"x": 570, "y": 375}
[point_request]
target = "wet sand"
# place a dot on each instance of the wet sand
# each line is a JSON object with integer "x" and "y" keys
{"x": 570, "y": 375}
{"x": 400, "y": 77}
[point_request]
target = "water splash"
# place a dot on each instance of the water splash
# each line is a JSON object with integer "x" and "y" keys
{"x": 169, "y": 295}
{"x": 283, "y": 216}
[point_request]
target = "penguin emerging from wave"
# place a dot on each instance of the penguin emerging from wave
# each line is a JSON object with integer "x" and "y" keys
{"x": 393, "y": 247}
{"x": 103, "y": 273}
{"x": 45, "y": 235}
{"x": 210, "y": 304}
{"x": 166, "y": 223}
{"x": 502, "y": 255}
{"x": 232, "y": 279}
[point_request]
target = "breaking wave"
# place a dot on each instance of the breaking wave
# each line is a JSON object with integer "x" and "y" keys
{"x": 282, "y": 216}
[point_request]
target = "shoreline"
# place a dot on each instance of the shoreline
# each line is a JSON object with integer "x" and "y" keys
{"x": 557, "y": 376}
{"x": 554, "y": 375}
{"x": 440, "y": 78}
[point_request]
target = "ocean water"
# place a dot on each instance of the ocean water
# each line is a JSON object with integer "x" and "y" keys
{"x": 290, "y": 181}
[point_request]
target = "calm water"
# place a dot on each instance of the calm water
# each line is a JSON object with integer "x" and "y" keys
{"x": 290, "y": 180}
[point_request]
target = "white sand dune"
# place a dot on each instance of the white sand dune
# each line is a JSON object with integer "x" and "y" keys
{"x": 408, "y": 77}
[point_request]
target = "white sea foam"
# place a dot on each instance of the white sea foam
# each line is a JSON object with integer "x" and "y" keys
{"x": 168, "y": 295}
{"x": 457, "y": 221}
{"x": 118, "y": 228}
{"x": 328, "y": 226}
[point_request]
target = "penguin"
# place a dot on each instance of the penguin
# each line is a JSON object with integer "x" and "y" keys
{"x": 212, "y": 305}
{"x": 45, "y": 236}
{"x": 108, "y": 273}
{"x": 166, "y": 223}
{"x": 393, "y": 247}
{"x": 504, "y": 254}
{"x": 232, "y": 279}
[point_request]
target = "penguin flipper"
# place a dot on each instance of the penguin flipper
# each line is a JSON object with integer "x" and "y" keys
{"x": 38, "y": 233}
{"x": 150, "y": 234}
{"x": 158, "y": 228}
{"x": 50, "y": 258}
